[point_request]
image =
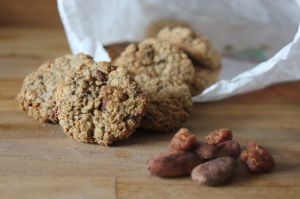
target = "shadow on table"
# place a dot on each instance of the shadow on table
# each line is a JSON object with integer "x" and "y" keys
{"x": 143, "y": 136}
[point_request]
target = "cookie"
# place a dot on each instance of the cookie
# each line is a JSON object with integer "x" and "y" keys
{"x": 156, "y": 26}
{"x": 157, "y": 59}
{"x": 100, "y": 104}
{"x": 204, "y": 77}
{"x": 206, "y": 60}
{"x": 36, "y": 95}
{"x": 169, "y": 104}
{"x": 195, "y": 45}
{"x": 162, "y": 71}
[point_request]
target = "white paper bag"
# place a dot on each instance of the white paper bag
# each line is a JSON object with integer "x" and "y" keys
{"x": 91, "y": 24}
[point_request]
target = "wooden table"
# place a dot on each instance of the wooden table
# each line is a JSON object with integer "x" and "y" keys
{"x": 38, "y": 161}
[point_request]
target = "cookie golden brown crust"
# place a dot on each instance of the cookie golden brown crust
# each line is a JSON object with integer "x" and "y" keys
{"x": 100, "y": 104}
{"x": 169, "y": 104}
{"x": 157, "y": 59}
{"x": 206, "y": 60}
{"x": 36, "y": 95}
{"x": 203, "y": 78}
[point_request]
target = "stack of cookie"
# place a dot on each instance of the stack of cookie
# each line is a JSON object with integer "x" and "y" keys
{"x": 170, "y": 68}
{"x": 149, "y": 85}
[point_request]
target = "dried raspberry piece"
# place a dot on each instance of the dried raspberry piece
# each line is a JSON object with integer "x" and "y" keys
{"x": 257, "y": 159}
{"x": 183, "y": 140}
{"x": 218, "y": 136}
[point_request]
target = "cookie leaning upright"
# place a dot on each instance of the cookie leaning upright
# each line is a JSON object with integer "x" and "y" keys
{"x": 206, "y": 59}
{"x": 36, "y": 95}
{"x": 195, "y": 45}
{"x": 100, "y": 104}
{"x": 163, "y": 72}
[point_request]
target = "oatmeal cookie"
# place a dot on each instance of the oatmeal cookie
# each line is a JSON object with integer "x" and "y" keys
{"x": 100, "y": 104}
{"x": 204, "y": 77}
{"x": 157, "y": 59}
{"x": 206, "y": 60}
{"x": 162, "y": 71}
{"x": 195, "y": 45}
{"x": 169, "y": 104}
{"x": 156, "y": 26}
{"x": 36, "y": 95}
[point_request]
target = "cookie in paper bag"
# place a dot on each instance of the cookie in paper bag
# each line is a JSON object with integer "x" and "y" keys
{"x": 163, "y": 73}
{"x": 206, "y": 60}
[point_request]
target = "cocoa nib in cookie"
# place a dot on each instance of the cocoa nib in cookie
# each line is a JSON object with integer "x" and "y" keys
{"x": 100, "y": 104}
{"x": 36, "y": 95}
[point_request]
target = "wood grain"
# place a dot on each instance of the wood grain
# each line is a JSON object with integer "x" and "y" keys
{"x": 34, "y": 13}
{"x": 38, "y": 161}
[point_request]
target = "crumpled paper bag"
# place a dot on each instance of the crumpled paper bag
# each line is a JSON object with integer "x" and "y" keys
{"x": 240, "y": 24}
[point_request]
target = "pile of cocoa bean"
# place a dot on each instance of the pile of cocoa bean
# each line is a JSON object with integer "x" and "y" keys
{"x": 211, "y": 161}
